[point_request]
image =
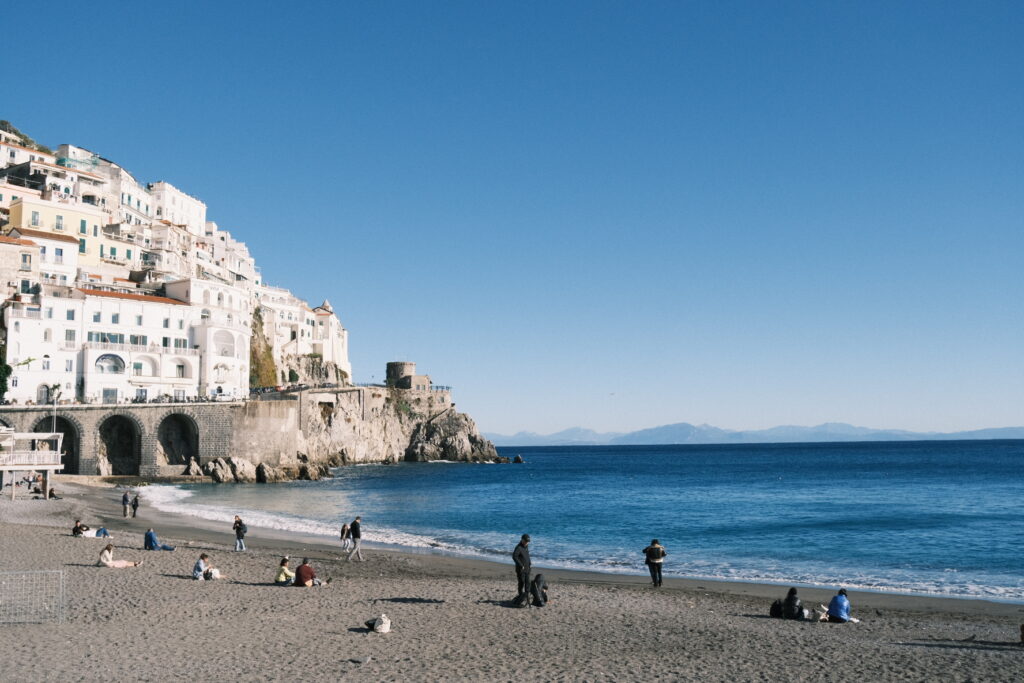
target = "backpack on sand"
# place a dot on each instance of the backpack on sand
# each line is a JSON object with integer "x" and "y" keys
{"x": 775, "y": 611}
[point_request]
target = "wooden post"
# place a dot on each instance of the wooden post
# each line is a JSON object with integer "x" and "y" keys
{"x": 46, "y": 484}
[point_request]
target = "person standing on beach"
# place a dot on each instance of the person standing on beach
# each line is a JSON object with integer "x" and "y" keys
{"x": 655, "y": 556}
{"x": 126, "y": 502}
{"x": 135, "y": 505}
{"x": 521, "y": 556}
{"x": 240, "y": 530}
{"x": 346, "y": 537}
{"x": 355, "y": 530}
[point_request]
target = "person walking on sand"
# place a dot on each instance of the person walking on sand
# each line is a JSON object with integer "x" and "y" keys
{"x": 107, "y": 559}
{"x": 654, "y": 557}
{"x": 839, "y": 608}
{"x": 521, "y": 556}
{"x": 346, "y": 537}
{"x": 355, "y": 530}
{"x": 126, "y": 502}
{"x": 135, "y": 506}
{"x": 240, "y": 531}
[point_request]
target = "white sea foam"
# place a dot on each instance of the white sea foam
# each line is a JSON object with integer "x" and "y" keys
{"x": 491, "y": 546}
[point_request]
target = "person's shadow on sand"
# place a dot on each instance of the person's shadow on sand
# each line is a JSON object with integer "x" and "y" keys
{"x": 412, "y": 601}
{"x": 968, "y": 644}
{"x": 500, "y": 603}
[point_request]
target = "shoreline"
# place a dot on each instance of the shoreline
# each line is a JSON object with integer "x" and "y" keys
{"x": 451, "y": 617}
{"x": 180, "y": 526}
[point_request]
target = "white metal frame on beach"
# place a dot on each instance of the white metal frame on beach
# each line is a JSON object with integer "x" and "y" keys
{"x": 30, "y": 452}
{"x": 32, "y": 597}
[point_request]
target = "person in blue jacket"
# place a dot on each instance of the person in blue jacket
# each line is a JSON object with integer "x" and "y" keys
{"x": 153, "y": 543}
{"x": 839, "y": 608}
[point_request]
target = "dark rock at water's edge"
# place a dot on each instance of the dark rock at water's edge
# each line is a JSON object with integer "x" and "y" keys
{"x": 450, "y": 436}
{"x": 518, "y": 459}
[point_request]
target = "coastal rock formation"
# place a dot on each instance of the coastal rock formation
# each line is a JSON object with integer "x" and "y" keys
{"x": 449, "y": 436}
{"x": 386, "y": 425}
{"x": 243, "y": 470}
{"x": 268, "y": 474}
{"x": 193, "y": 469}
{"x": 219, "y": 471}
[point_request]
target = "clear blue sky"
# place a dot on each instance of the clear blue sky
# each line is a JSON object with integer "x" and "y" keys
{"x": 611, "y": 215}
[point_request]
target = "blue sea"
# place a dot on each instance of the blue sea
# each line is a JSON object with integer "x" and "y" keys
{"x": 935, "y": 518}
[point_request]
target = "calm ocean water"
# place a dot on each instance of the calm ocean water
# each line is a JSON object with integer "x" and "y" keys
{"x": 942, "y": 518}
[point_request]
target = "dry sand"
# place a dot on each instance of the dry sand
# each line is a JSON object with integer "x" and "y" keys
{"x": 450, "y": 617}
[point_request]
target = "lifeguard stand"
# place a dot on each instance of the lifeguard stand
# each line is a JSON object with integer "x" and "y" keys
{"x": 29, "y": 452}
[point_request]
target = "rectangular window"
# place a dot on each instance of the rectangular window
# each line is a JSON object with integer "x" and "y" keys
{"x": 46, "y": 364}
{"x": 82, "y": 227}
{"x": 26, "y": 287}
{"x": 26, "y": 261}
{"x": 96, "y": 317}
{"x": 95, "y": 231}
{"x": 69, "y": 335}
{"x": 49, "y": 313}
{"x": 140, "y": 394}
{"x": 138, "y": 339}
{"x": 166, "y": 343}
{"x": 60, "y": 223}
{"x": 115, "y": 318}
{"x": 179, "y": 370}
{"x": 113, "y": 252}
{"x": 128, "y": 254}
{"x": 167, "y": 322}
{"x": 69, "y": 366}
{"x": 181, "y": 324}
{"x": 81, "y": 246}
{"x": 101, "y": 251}
{"x": 35, "y": 218}
{"x": 71, "y": 314}
{"x": 181, "y": 343}
{"x": 137, "y": 369}
{"x": 138, "y": 320}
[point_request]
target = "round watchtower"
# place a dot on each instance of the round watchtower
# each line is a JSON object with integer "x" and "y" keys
{"x": 397, "y": 370}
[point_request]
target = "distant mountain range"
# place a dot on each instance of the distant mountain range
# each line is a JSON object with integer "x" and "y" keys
{"x": 683, "y": 433}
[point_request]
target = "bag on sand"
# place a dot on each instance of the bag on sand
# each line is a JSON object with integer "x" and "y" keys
{"x": 775, "y": 611}
{"x": 379, "y": 625}
{"x": 522, "y": 600}
{"x": 539, "y": 591}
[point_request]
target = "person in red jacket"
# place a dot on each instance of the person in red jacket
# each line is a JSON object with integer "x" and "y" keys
{"x": 305, "y": 576}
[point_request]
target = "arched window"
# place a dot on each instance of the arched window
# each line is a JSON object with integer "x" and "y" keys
{"x": 206, "y": 296}
{"x": 205, "y": 315}
{"x": 224, "y": 343}
{"x": 220, "y": 298}
{"x": 110, "y": 364}
{"x": 47, "y": 335}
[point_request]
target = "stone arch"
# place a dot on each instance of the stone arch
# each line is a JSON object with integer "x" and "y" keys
{"x": 43, "y": 394}
{"x": 150, "y": 366}
{"x": 119, "y": 444}
{"x": 4, "y": 422}
{"x": 177, "y": 439}
{"x": 71, "y": 446}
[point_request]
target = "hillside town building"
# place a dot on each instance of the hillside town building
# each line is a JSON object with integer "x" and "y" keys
{"x": 117, "y": 291}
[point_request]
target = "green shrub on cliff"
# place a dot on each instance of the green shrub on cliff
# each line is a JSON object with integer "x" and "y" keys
{"x": 262, "y": 370}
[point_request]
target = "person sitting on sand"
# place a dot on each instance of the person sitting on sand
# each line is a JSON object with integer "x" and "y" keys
{"x": 53, "y": 495}
{"x": 306, "y": 577}
{"x": 151, "y": 542}
{"x": 284, "y": 574}
{"x": 80, "y": 530}
{"x": 791, "y": 606}
{"x": 107, "y": 559}
{"x": 839, "y": 608}
{"x": 204, "y": 569}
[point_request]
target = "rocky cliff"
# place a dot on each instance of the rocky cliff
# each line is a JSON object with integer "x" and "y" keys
{"x": 301, "y": 435}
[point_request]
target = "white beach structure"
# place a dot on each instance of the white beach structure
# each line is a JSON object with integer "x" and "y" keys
{"x": 29, "y": 452}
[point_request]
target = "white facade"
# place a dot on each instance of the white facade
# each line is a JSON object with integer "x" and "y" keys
{"x": 174, "y": 206}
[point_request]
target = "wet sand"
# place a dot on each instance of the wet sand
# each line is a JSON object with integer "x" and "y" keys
{"x": 450, "y": 616}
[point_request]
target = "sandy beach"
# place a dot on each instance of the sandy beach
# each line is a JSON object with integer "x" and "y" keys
{"x": 451, "y": 619}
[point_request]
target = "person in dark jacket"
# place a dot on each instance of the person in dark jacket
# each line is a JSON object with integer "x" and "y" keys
{"x": 654, "y": 557}
{"x": 240, "y": 530}
{"x": 521, "y": 556}
{"x": 355, "y": 531}
{"x": 305, "y": 576}
{"x": 135, "y": 505}
{"x": 126, "y": 502}
{"x": 791, "y": 606}
{"x": 839, "y": 608}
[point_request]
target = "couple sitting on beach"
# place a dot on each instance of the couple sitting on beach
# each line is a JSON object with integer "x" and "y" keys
{"x": 204, "y": 569}
{"x": 303, "y": 576}
{"x": 838, "y": 611}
